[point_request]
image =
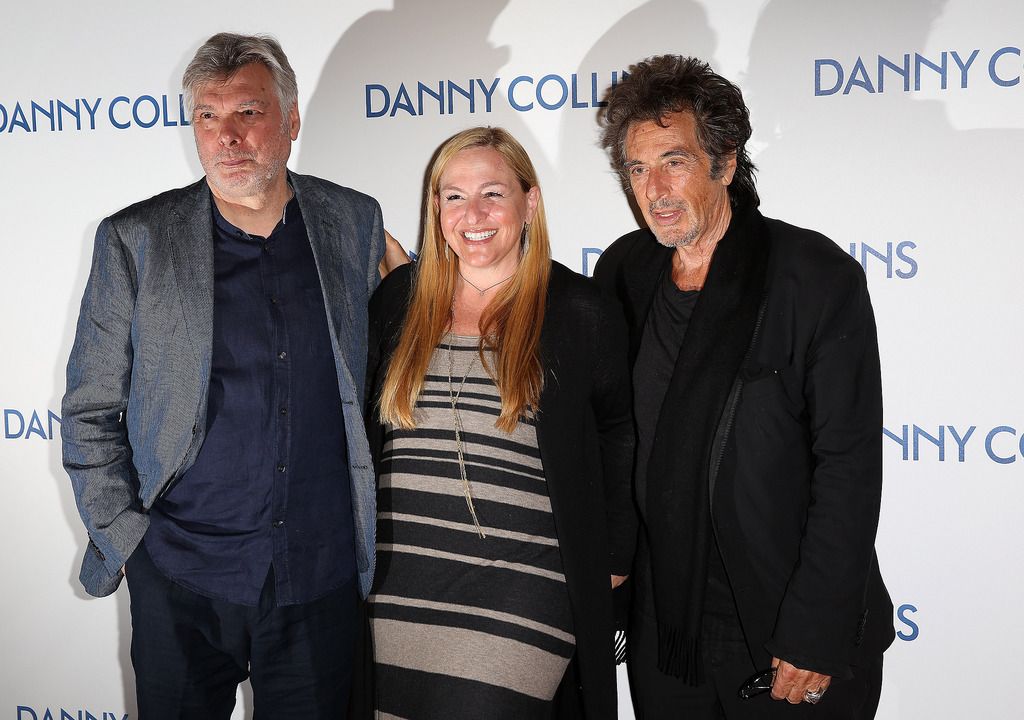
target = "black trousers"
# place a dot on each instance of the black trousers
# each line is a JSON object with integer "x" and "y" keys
{"x": 727, "y": 665}
{"x": 190, "y": 652}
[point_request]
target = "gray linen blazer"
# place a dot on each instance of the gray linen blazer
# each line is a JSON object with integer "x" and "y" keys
{"x": 134, "y": 414}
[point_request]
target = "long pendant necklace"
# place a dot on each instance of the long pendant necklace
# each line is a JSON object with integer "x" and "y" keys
{"x": 453, "y": 395}
{"x": 483, "y": 290}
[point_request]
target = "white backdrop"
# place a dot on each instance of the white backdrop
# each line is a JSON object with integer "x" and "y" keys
{"x": 895, "y": 128}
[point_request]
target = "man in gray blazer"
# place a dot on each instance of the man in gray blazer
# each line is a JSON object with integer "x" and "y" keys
{"x": 212, "y": 424}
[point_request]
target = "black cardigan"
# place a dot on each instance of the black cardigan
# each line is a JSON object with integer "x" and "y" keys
{"x": 796, "y": 501}
{"x": 586, "y": 438}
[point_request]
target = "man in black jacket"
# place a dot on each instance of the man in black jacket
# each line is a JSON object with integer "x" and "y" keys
{"x": 758, "y": 408}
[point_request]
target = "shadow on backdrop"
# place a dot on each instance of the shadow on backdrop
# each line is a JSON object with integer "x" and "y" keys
{"x": 387, "y": 156}
{"x": 889, "y": 166}
{"x": 655, "y": 28}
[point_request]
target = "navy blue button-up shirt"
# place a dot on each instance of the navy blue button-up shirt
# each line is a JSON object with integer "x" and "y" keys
{"x": 270, "y": 485}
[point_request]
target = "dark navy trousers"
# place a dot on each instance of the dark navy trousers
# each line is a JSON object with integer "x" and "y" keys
{"x": 190, "y": 652}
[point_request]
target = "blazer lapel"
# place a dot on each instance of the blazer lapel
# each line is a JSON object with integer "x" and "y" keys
{"x": 190, "y": 236}
{"x": 334, "y": 266}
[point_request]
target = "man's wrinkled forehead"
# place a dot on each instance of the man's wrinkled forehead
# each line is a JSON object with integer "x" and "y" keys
{"x": 672, "y": 134}
{"x": 253, "y": 79}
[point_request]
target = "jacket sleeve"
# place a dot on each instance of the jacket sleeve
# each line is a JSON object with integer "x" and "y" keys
{"x": 96, "y": 451}
{"x": 821, "y": 617}
{"x": 386, "y": 314}
{"x": 613, "y": 409}
{"x": 376, "y": 253}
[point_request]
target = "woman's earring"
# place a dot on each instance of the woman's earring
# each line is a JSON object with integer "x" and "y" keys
{"x": 524, "y": 238}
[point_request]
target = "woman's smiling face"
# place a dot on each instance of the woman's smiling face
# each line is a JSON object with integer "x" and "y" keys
{"x": 482, "y": 209}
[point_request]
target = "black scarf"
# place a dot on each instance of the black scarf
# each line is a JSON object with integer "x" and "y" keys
{"x": 678, "y": 515}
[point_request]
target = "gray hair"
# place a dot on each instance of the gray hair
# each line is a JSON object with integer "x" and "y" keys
{"x": 224, "y": 54}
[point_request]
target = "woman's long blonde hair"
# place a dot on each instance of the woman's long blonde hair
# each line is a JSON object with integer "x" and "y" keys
{"x": 510, "y": 326}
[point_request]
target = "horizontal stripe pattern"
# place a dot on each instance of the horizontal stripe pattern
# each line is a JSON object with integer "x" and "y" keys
{"x": 452, "y": 612}
{"x": 438, "y": 697}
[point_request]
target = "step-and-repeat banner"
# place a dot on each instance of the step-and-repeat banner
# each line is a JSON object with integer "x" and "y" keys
{"x": 897, "y": 129}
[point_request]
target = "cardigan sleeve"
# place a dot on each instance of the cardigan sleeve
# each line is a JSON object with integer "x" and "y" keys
{"x": 611, "y": 400}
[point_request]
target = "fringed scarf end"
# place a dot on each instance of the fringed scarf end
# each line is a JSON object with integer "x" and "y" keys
{"x": 680, "y": 656}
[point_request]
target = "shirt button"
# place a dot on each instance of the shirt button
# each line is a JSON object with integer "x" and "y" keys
{"x": 281, "y": 468}
{"x": 266, "y": 247}
{"x": 273, "y": 299}
{"x": 283, "y": 411}
{"x": 282, "y": 355}
{"x": 278, "y": 523}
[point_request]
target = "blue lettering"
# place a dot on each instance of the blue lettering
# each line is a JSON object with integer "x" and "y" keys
{"x": 575, "y": 100}
{"x": 182, "y": 119}
{"x": 921, "y": 61}
{"x": 511, "y": 90}
{"x": 48, "y": 715}
{"x": 594, "y": 100}
{"x": 901, "y": 252}
{"x": 587, "y": 253}
{"x": 468, "y": 94}
{"x": 988, "y": 444}
{"x": 939, "y": 442}
{"x": 387, "y": 100}
{"x": 35, "y": 426}
{"x": 866, "y": 250}
{"x": 902, "y": 70}
{"x": 48, "y": 114}
{"x": 75, "y": 112}
{"x": 540, "y": 92}
{"x": 8, "y": 414}
{"x": 402, "y": 102}
{"x": 422, "y": 90}
{"x": 18, "y": 119}
{"x": 961, "y": 442}
{"x": 110, "y": 112}
{"x": 21, "y": 708}
{"x": 91, "y": 109}
{"x": 902, "y": 440}
{"x": 135, "y": 111}
{"x": 488, "y": 91}
{"x": 964, "y": 67}
{"x": 902, "y": 613}
{"x": 166, "y": 114}
{"x": 818, "y": 65}
{"x": 911, "y": 262}
{"x": 859, "y": 77}
{"x": 65, "y": 715}
{"x": 998, "y": 80}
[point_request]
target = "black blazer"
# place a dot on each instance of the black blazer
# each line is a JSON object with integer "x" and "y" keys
{"x": 586, "y": 439}
{"x": 796, "y": 500}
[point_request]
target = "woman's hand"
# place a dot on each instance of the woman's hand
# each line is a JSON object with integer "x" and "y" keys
{"x": 394, "y": 255}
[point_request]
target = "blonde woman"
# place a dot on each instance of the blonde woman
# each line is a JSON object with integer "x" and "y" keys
{"x": 504, "y": 446}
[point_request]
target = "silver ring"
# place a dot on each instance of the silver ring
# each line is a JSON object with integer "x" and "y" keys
{"x": 813, "y": 697}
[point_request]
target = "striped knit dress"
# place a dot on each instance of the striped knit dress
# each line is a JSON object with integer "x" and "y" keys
{"x": 466, "y": 626}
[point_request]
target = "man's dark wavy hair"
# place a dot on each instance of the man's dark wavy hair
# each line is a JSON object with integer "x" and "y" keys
{"x": 666, "y": 84}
